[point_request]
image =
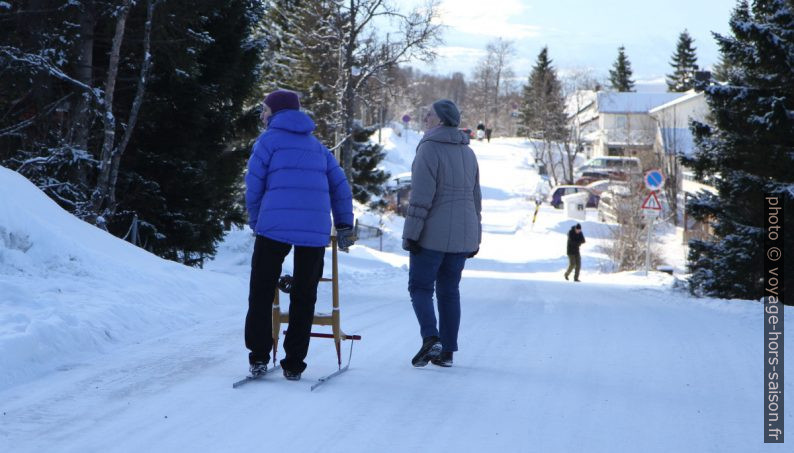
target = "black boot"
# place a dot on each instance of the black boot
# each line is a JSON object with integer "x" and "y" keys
{"x": 292, "y": 375}
{"x": 431, "y": 347}
{"x": 258, "y": 369}
{"x": 444, "y": 359}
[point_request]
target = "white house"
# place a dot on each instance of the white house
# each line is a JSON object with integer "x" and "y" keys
{"x": 674, "y": 137}
{"x": 614, "y": 123}
{"x": 672, "y": 119}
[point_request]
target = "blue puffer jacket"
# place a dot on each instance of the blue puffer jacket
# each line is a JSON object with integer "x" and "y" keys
{"x": 294, "y": 182}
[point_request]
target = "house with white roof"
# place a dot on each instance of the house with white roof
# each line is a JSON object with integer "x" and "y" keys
{"x": 673, "y": 135}
{"x": 673, "y": 138}
{"x": 616, "y": 123}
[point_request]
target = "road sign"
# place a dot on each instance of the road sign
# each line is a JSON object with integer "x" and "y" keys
{"x": 406, "y": 118}
{"x": 651, "y": 203}
{"x": 654, "y": 179}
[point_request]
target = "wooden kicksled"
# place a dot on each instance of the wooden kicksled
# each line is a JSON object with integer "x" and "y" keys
{"x": 321, "y": 319}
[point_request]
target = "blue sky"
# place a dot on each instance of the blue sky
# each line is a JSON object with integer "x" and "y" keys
{"x": 580, "y": 34}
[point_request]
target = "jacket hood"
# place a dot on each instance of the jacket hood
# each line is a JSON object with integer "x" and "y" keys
{"x": 445, "y": 134}
{"x": 292, "y": 121}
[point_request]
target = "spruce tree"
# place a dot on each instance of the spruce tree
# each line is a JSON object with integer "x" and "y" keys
{"x": 746, "y": 151}
{"x": 542, "y": 111}
{"x": 620, "y": 74}
{"x": 368, "y": 179}
{"x": 182, "y": 175}
{"x": 39, "y": 48}
{"x": 723, "y": 71}
{"x": 684, "y": 63}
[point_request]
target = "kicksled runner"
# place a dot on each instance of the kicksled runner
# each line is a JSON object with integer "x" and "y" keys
{"x": 320, "y": 319}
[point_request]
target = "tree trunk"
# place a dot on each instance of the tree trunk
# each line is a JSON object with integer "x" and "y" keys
{"x": 136, "y": 106}
{"x": 101, "y": 195}
{"x": 349, "y": 96}
{"x": 84, "y": 73}
{"x": 81, "y": 119}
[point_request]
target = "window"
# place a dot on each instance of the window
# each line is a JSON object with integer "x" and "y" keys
{"x": 615, "y": 151}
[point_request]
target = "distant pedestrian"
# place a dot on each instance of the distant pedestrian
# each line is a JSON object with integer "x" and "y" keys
{"x": 488, "y": 132}
{"x": 575, "y": 240}
{"x": 293, "y": 183}
{"x": 480, "y": 131}
{"x": 442, "y": 229}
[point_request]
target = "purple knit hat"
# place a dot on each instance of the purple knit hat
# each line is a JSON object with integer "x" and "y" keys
{"x": 282, "y": 99}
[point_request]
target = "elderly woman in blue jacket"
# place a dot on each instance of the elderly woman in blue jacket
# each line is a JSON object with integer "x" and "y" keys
{"x": 293, "y": 183}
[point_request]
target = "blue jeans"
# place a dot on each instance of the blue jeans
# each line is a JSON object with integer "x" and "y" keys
{"x": 431, "y": 268}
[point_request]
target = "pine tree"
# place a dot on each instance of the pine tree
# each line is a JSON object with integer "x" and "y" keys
{"x": 723, "y": 71}
{"x": 747, "y": 152}
{"x": 542, "y": 111}
{"x": 182, "y": 175}
{"x": 684, "y": 63}
{"x": 620, "y": 74}
{"x": 368, "y": 179}
{"x": 39, "y": 44}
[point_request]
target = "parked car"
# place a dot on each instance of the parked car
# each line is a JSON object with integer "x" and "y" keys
{"x": 615, "y": 166}
{"x": 615, "y": 204}
{"x": 601, "y": 185}
{"x": 555, "y": 197}
{"x": 591, "y": 176}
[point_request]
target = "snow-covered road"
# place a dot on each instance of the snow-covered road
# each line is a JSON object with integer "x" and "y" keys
{"x": 619, "y": 362}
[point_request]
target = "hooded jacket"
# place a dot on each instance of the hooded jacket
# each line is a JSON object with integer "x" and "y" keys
{"x": 575, "y": 240}
{"x": 294, "y": 182}
{"x": 446, "y": 203}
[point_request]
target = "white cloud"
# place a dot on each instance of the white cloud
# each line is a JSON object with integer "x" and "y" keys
{"x": 487, "y": 18}
{"x": 458, "y": 51}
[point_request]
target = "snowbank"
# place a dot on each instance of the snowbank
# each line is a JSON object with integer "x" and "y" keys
{"x": 68, "y": 288}
{"x": 400, "y": 146}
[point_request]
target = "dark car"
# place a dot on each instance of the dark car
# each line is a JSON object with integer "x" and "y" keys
{"x": 555, "y": 197}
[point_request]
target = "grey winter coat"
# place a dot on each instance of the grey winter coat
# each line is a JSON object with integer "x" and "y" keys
{"x": 446, "y": 203}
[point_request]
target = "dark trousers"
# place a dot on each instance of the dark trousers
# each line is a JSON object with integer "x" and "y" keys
{"x": 574, "y": 262}
{"x": 431, "y": 270}
{"x": 265, "y": 271}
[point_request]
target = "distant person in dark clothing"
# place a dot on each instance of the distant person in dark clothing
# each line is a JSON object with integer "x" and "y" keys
{"x": 488, "y": 132}
{"x": 575, "y": 240}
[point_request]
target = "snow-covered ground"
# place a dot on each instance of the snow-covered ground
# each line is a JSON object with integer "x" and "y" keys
{"x": 106, "y": 348}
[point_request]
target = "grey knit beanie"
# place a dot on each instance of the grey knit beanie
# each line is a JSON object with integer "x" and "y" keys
{"x": 448, "y": 112}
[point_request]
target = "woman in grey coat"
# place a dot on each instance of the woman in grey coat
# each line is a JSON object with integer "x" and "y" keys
{"x": 443, "y": 228}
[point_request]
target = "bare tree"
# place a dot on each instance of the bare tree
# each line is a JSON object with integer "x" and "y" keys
{"x": 362, "y": 55}
{"x": 629, "y": 236}
{"x": 103, "y": 199}
{"x": 501, "y": 52}
{"x": 673, "y": 142}
{"x": 579, "y": 88}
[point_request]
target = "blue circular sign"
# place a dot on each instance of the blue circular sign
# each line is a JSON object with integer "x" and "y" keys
{"x": 654, "y": 179}
{"x": 406, "y": 118}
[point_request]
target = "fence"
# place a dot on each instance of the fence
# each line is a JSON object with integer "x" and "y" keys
{"x": 369, "y": 232}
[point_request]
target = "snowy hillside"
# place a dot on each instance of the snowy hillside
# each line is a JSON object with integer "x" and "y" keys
{"x": 107, "y": 348}
{"x": 69, "y": 290}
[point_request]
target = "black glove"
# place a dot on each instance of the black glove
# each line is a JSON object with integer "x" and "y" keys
{"x": 472, "y": 254}
{"x": 412, "y": 246}
{"x": 345, "y": 237}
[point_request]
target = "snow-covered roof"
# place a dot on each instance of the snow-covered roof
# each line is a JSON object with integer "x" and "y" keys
{"x": 616, "y": 102}
{"x": 692, "y": 94}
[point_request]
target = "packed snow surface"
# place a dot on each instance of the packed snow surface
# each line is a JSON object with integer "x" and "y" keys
{"x": 104, "y": 347}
